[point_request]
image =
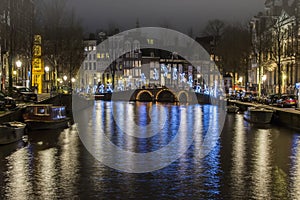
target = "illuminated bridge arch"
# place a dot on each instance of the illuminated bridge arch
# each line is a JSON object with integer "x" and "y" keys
{"x": 144, "y": 95}
{"x": 165, "y": 95}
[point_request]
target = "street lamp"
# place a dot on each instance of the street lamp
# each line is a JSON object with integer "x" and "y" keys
{"x": 65, "y": 78}
{"x": 264, "y": 78}
{"x": 18, "y": 64}
{"x": 47, "y": 69}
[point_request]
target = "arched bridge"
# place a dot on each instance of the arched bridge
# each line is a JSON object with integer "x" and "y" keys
{"x": 161, "y": 95}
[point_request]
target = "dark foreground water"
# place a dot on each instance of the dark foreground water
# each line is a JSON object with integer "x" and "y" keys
{"x": 245, "y": 161}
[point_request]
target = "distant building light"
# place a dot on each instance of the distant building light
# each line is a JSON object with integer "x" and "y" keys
{"x": 150, "y": 41}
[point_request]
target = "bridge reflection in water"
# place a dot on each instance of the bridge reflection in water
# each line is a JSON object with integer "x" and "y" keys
{"x": 246, "y": 162}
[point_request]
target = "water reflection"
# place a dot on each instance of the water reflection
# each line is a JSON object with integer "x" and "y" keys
{"x": 238, "y": 158}
{"x": 295, "y": 170}
{"x": 262, "y": 169}
{"x": 46, "y": 173}
{"x": 246, "y": 162}
{"x": 69, "y": 162}
{"x": 46, "y": 168}
{"x": 19, "y": 175}
{"x": 144, "y": 149}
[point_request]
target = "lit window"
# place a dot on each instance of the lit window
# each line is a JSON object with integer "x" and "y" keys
{"x": 98, "y": 55}
{"x": 150, "y": 41}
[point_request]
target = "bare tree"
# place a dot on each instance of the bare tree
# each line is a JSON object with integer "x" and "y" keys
{"x": 214, "y": 28}
{"x": 16, "y": 31}
{"x": 234, "y": 49}
{"x": 63, "y": 37}
{"x": 279, "y": 36}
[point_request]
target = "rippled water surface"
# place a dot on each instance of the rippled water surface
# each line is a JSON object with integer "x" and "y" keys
{"x": 244, "y": 161}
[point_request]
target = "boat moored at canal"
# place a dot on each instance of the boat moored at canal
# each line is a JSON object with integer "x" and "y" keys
{"x": 103, "y": 96}
{"x": 11, "y": 132}
{"x": 232, "y": 109}
{"x": 258, "y": 115}
{"x": 46, "y": 116}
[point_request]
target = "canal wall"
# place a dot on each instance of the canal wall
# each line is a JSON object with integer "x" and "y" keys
{"x": 289, "y": 117}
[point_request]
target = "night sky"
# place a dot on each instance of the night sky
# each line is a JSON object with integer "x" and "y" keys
{"x": 177, "y": 14}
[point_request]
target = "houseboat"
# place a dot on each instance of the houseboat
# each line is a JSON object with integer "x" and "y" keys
{"x": 258, "y": 115}
{"x": 103, "y": 96}
{"x": 46, "y": 116}
{"x": 232, "y": 109}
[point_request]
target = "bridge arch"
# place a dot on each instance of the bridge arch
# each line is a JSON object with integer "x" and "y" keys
{"x": 144, "y": 95}
{"x": 183, "y": 96}
{"x": 165, "y": 95}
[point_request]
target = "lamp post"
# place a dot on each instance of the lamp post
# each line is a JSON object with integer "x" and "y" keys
{"x": 264, "y": 78}
{"x": 72, "y": 81}
{"x": 19, "y": 65}
{"x": 47, "y": 69}
{"x": 65, "y": 78}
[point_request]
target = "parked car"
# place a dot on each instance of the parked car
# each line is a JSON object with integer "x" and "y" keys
{"x": 255, "y": 97}
{"x": 22, "y": 93}
{"x": 246, "y": 97}
{"x": 271, "y": 99}
{"x": 262, "y": 99}
{"x": 287, "y": 100}
{"x": 238, "y": 95}
{"x": 6, "y": 102}
{"x": 64, "y": 89}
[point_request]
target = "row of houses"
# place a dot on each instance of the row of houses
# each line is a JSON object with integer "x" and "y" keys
{"x": 275, "y": 59}
{"x": 125, "y": 64}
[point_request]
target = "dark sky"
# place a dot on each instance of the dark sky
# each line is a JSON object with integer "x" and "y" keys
{"x": 178, "y": 14}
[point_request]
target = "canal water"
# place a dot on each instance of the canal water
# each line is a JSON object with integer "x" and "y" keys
{"x": 244, "y": 161}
